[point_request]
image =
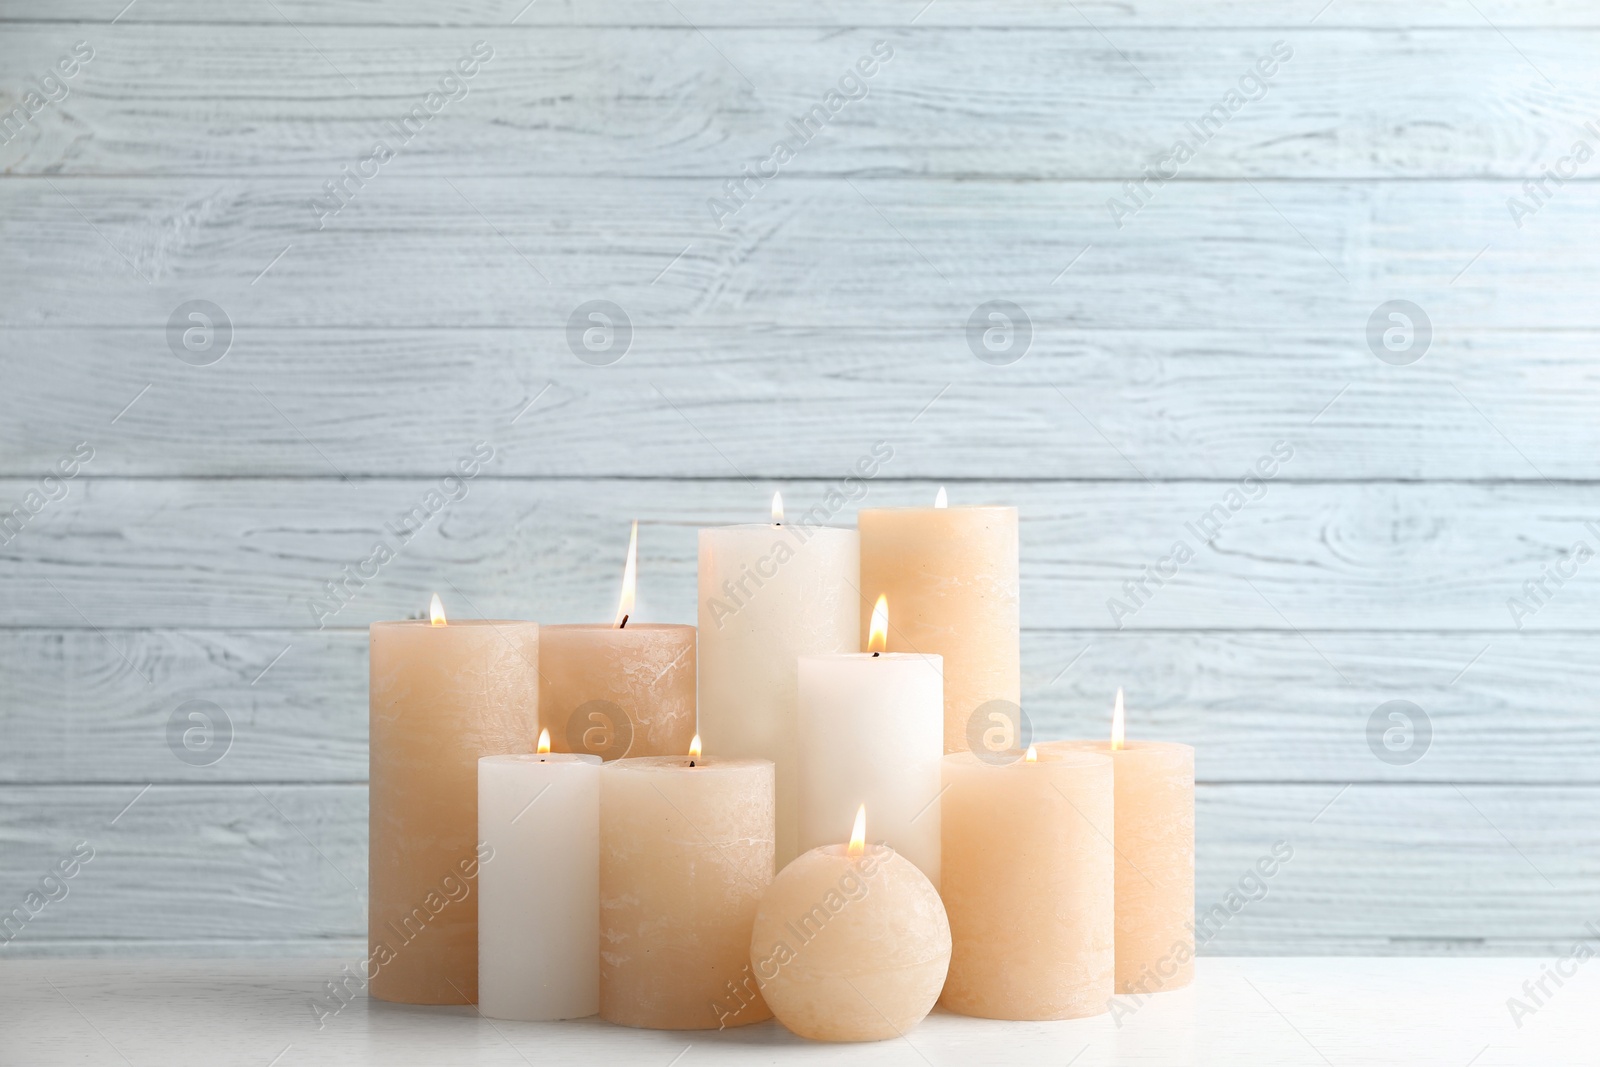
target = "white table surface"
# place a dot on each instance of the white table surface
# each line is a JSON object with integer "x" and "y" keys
{"x": 1322, "y": 1012}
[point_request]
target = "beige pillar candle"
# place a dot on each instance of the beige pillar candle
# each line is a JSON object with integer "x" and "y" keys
{"x": 624, "y": 689}
{"x": 1155, "y": 857}
{"x": 851, "y": 943}
{"x": 769, "y": 594}
{"x": 1028, "y": 883}
{"x": 685, "y": 855}
{"x": 952, "y": 576}
{"x": 443, "y": 695}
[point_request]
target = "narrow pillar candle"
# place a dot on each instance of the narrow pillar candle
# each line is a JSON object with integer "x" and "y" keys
{"x": 770, "y": 593}
{"x": 1028, "y": 883}
{"x": 623, "y": 689}
{"x": 1155, "y": 857}
{"x": 685, "y": 855}
{"x": 872, "y": 732}
{"x": 539, "y": 893}
{"x": 952, "y": 575}
{"x": 442, "y": 696}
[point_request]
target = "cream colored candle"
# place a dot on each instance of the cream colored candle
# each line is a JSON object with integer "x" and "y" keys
{"x": 1028, "y": 883}
{"x": 1155, "y": 857}
{"x": 872, "y": 732}
{"x": 442, "y": 696}
{"x": 539, "y": 900}
{"x": 770, "y": 593}
{"x": 685, "y": 855}
{"x": 851, "y": 943}
{"x": 627, "y": 689}
{"x": 952, "y": 576}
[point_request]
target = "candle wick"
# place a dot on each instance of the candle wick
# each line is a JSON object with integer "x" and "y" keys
{"x": 623, "y": 624}
{"x": 875, "y": 655}
{"x": 691, "y": 763}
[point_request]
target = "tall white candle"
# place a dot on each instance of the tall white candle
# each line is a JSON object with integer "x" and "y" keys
{"x": 770, "y": 593}
{"x": 872, "y": 732}
{"x": 539, "y": 894}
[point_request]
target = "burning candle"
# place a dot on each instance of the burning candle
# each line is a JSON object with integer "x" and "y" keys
{"x": 1155, "y": 856}
{"x": 685, "y": 855}
{"x": 1028, "y": 883}
{"x": 769, "y": 594}
{"x": 539, "y": 901}
{"x": 952, "y": 575}
{"x": 851, "y": 942}
{"x": 443, "y": 695}
{"x": 872, "y": 732}
{"x": 621, "y": 689}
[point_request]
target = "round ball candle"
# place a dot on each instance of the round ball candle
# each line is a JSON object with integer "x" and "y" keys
{"x": 623, "y": 689}
{"x": 443, "y": 695}
{"x": 685, "y": 854}
{"x": 539, "y": 894}
{"x": 1155, "y": 857}
{"x": 952, "y": 576}
{"x": 851, "y": 943}
{"x": 872, "y": 732}
{"x": 1028, "y": 883}
{"x": 769, "y": 594}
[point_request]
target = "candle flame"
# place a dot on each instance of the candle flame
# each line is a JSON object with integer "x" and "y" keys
{"x": 878, "y": 633}
{"x": 694, "y": 747}
{"x": 436, "y": 610}
{"x": 1118, "y": 735}
{"x": 630, "y": 579}
{"x": 1032, "y": 755}
{"x": 858, "y": 835}
{"x": 777, "y": 508}
{"x": 942, "y": 500}
{"x": 544, "y": 741}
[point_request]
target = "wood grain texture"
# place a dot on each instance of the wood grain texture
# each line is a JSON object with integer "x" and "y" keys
{"x": 258, "y": 552}
{"x": 796, "y": 403}
{"x": 1258, "y": 707}
{"x": 668, "y": 101}
{"x": 241, "y": 863}
{"x": 806, "y": 252}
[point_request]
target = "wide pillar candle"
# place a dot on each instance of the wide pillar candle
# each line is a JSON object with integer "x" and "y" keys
{"x": 872, "y": 732}
{"x": 685, "y": 856}
{"x": 770, "y": 593}
{"x": 539, "y": 888}
{"x": 951, "y": 575}
{"x": 1155, "y": 860}
{"x": 442, "y": 697}
{"x": 1028, "y": 885}
{"x": 617, "y": 692}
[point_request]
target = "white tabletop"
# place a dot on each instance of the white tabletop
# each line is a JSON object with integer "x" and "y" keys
{"x": 1322, "y": 1012}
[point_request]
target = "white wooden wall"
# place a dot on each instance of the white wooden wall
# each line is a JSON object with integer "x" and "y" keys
{"x": 828, "y": 314}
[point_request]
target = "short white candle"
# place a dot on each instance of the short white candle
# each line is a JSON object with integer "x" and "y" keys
{"x": 539, "y": 893}
{"x": 872, "y": 732}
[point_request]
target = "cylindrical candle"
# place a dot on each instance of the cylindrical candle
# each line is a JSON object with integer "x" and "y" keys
{"x": 872, "y": 732}
{"x": 851, "y": 947}
{"x": 685, "y": 855}
{"x": 539, "y": 894}
{"x": 1028, "y": 884}
{"x": 1155, "y": 860}
{"x": 442, "y": 697}
{"x": 617, "y": 692}
{"x": 769, "y": 594}
{"x": 952, "y": 576}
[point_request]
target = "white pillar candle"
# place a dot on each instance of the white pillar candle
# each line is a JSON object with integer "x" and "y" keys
{"x": 770, "y": 593}
{"x": 539, "y": 893}
{"x": 872, "y": 732}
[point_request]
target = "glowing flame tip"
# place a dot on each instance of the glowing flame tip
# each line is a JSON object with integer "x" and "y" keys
{"x": 942, "y": 499}
{"x": 777, "y": 507}
{"x": 694, "y": 747}
{"x": 1118, "y": 735}
{"x": 544, "y": 741}
{"x": 1032, "y": 755}
{"x": 630, "y": 579}
{"x": 858, "y": 835}
{"x": 436, "y": 610}
{"x": 878, "y": 632}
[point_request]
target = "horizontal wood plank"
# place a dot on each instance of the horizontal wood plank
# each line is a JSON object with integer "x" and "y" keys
{"x": 805, "y": 252}
{"x": 257, "y": 553}
{"x": 291, "y": 706}
{"x": 237, "y": 863}
{"x": 666, "y": 100}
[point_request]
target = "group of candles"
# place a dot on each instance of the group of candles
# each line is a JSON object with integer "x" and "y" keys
{"x": 583, "y": 818}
